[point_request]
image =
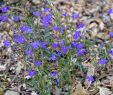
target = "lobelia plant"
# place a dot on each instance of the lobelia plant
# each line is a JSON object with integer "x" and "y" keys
{"x": 51, "y": 55}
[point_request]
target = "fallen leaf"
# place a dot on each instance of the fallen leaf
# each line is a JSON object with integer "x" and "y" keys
{"x": 104, "y": 91}
{"x": 8, "y": 92}
{"x": 2, "y": 68}
{"x": 19, "y": 67}
{"x": 80, "y": 90}
{"x": 33, "y": 93}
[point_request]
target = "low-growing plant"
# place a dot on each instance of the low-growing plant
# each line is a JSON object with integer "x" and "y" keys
{"x": 44, "y": 43}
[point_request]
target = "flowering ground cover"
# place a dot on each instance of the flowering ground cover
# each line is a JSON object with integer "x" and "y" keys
{"x": 56, "y": 47}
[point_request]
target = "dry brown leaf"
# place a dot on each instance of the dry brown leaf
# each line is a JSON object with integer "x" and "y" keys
{"x": 111, "y": 80}
{"x": 19, "y": 67}
{"x": 104, "y": 91}
{"x": 80, "y": 90}
{"x": 2, "y": 67}
{"x": 8, "y": 92}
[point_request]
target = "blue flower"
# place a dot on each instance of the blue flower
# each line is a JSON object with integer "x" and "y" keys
{"x": 53, "y": 74}
{"x": 31, "y": 73}
{"x": 79, "y": 46}
{"x": 81, "y": 52}
{"x": 62, "y": 30}
{"x": 16, "y": 18}
{"x": 57, "y": 82}
{"x": 75, "y": 16}
{"x": 6, "y": 43}
{"x": 4, "y": 9}
{"x": 3, "y": 18}
{"x": 65, "y": 49}
{"x": 81, "y": 25}
{"x": 111, "y": 52}
{"x": 109, "y": 11}
{"x": 26, "y": 29}
{"x": 110, "y": 34}
{"x": 36, "y": 13}
{"x": 34, "y": 44}
{"x": 38, "y": 63}
{"x": 46, "y": 20}
{"x": 53, "y": 57}
{"x": 62, "y": 42}
{"x": 20, "y": 39}
{"x": 90, "y": 78}
{"x": 46, "y": 9}
{"x": 102, "y": 61}
{"x": 43, "y": 44}
{"x": 65, "y": 14}
{"x": 28, "y": 52}
{"x": 73, "y": 44}
{"x": 76, "y": 35}
{"x": 56, "y": 28}
{"x": 55, "y": 45}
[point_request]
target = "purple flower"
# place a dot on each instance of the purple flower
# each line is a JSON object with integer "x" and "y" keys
{"x": 65, "y": 14}
{"x": 62, "y": 42}
{"x": 55, "y": 45}
{"x": 76, "y": 35}
{"x": 38, "y": 63}
{"x": 81, "y": 52}
{"x": 34, "y": 44}
{"x": 53, "y": 74}
{"x": 43, "y": 44}
{"x": 46, "y": 20}
{"x": 111, "y": 52}
{"x": 20, "y": 39}
{"x": 31, "y": 73}
{"x": 75, "y": 16}
{"x": 46, "y": 9}
{"x": 62, "y": 30}
{"x": 26, "y": 29}
{"x": 4, "y": 9}
{"x": 102, "y": 61}
{"x": 16, "y": 18}
{"x": 49, "y": 16}
{"x": 53, "y": 57}
{"x": 74, "y": 44}
{"x": 64, "y": 49}
{"x": 28, "y": 52}
{"x": 79, "y": 46}
{"x": 56, "y": 28}
{"x": 3, "y": 18}
{"x": 81, "y": 25}
{"x": 6, "y": 43}
{"x": 57, "y": 82}
{"x": 90, "y": 78}
{"x": 110, "y": 34}
{"x": 36, "y": 13}
{"x": 109, "y": 11}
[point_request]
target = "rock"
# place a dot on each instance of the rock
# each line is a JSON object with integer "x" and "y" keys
{"x": 8, "y": 92}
